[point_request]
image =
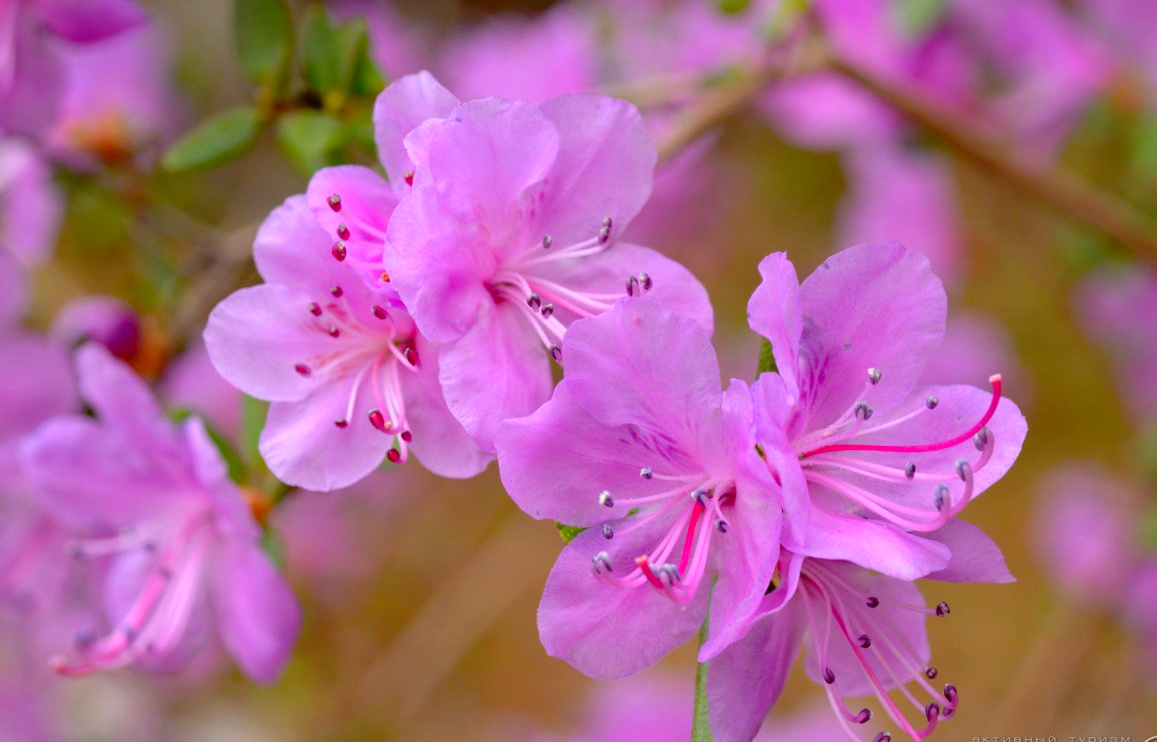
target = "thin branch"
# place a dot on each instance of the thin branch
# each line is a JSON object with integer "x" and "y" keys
{"x": 1050, "y": 185}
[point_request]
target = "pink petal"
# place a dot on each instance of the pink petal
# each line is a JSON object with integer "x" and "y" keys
{"x": 401, "y": 107}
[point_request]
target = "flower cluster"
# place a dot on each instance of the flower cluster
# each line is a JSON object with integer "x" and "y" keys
{"x": 796, "y": 510}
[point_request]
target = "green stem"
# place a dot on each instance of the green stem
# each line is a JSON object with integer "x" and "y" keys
{"x": 701, "y": 729}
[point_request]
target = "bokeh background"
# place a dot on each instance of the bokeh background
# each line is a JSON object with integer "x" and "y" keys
{"x": 420, "y": 594}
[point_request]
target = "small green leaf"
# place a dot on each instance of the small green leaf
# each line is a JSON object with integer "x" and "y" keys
{"x": 331, "y": 54}
{"x": 312, "y": 139}
{"x": 368, "y": 80}
{"x": 568, "y": 533}
{"x": 916, "y": 18}
{"x": 253, "y": 412}
{"x": 1143, "y": 150}
{"x": 263, "y": 32}
{"x": 215, "y": 140}
{"x": 766, "y": 358}
{"x": 238, "y": 472}
{"x": 733, "y": 7}
{"x": 274, "y": 547}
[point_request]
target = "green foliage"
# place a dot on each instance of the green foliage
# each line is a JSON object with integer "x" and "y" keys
{"x": 215, "y": 140}
{"x": 766, "y": 358}
{"x": 312, "y": 139}
{"x": 733, "y": 7}
{"x": 701, "y": 724}
{"x": 253, "y": 412}
{"x": 274, "y": 547}
{"x": 263, "y": 32}
{"x": 331, "y": 56}
{"x": 917, "y": 17}
{"x": 568, "y": 533}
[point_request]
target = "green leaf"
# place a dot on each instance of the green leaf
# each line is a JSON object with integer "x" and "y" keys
{"x": 733, "y": 7}
{"x": 1143, "y": 150}
{"x": 263, "y": 32}
{"x": 368, "y": 80}
{"x": 215, "y": 140}
{"x": 238, "y": 472}
{"x": 253, "y": 412}
{"x": 331, "y": 54}
{"x": 568, "y": 533}
{"x": 917, "y": 17}
{"x": 274, "y": 547}
{"x": 312, "y": 139}
{"x": 766, "y": 358}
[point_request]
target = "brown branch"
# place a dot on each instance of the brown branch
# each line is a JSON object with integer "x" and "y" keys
{"x": 1050, "y": 185}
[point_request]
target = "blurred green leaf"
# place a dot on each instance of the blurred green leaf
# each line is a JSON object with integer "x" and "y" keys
{"x": 331, "y": 54}
{"x": 733, "y": 7}
{"x": 368, "y": 80}
{"x": 1143, "y": 150}
{"x": 568, "y": 533}
{"x": 274, "y": 547}
{"x": 263, "y": 32}
{"x": 312, "y": 139}
{"x": 215, "y": 140}
{"x": 916, "y": 17}
{"x": 766, "y": 358}
{"x": 253, "y": 412}
{"x": 701, "y": 723}
{"x": 238, "y": 471}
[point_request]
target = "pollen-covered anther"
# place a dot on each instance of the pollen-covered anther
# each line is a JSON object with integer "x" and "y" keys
{"x": 931, "y": 673}
{"x": 556, "y": 353}
{"x": 410, "y": 353}
{"x": 980, "y": 440}
{"x": 874, "y": 376}
{"x": 407, "y": 436}
{"x": 334, "y": 202}
{"x": 932, "y": 401}
{"x": 605, "y": 231}
{"x": 863, "y": 717}
{"x": 963, "y": 470}
{"x": 863, "y": 412}
{"x": 864, "y": 641}
{"x": 547, "y": 241}
{"x": 647, "y": 472}
{"x": 829, "y": 676}
{"x": 379, "y": 312}
{"x": 393, "y": 456}
{"x": 882, "y": 737}
{"x": 409, "y": 177}
{"x": 314, "y": 309}
{"x": 302, "y": 369}
{"x": 547, "y": 310}
{"x": 634, "y": 288}
{"x": 339, "y": 251}
{"x": 700, "y": 496}
{"x": 910, "y": 470}
{"x": 333, "y": 332}
{"x": 721, "y": 525}
{"x": 343, "y": 232}
{"x": 646, "y": 281}
{"x": 608, "y": 531}
{"x": 341, "y": 423}
{"x": 606, "y": 500}
{"x": 534, "y": 301}
{"x": 336, "y": 292}
{"x": 872, "y": 601}
{"x": 942, "y": 609}
{"x": 941, "y": 500}
{"x": 601, "y": 562}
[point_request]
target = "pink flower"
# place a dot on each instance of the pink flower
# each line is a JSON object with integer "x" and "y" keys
{"x": 185, "y": 550}
{"x": 31, "y": 32}
{"x": 1083, "y": 536}
{"x": 118, "y": 101}
{"x": 31, "y": 208}
{"x": 191, "y": 382}
{"x": 1109, "y": 308}
{"x": 883, "y": 457}
{"x": 525, "y": 59}
{"x": 641, "y": 446}
{"x": 101, "y": 319}
{"x": 347, "y": 373}
{"x": 511, "y": 233}
{"x": 865, "y": 636}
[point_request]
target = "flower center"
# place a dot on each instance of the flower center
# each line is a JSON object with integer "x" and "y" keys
{"x": 695, "y": 520}
{"x": 886, "y": 656}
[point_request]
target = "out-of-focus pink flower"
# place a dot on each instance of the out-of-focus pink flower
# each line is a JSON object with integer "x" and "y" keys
{"x": 527, "y": 59}
{"x": 118, "y": 103}
{"x": 897, "y": 195}
{"x": 398, "y": 47}
{"x": 32, "y": 33}
{"x": 191, "y": 381}
{"x": 641, "y": 445}
{"x": 1115, "y": 310}
{"x": 101, "y": 319}
{"x": 974, "y": 346}
{"x": 1083, "y": 538}
{"x": 1139, "y": 606}
{"x": 31, "y": 208}
{"x": 184, "y": 548}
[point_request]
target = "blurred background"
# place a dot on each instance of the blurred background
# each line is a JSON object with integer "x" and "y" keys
{"x": 1015, "y": 143}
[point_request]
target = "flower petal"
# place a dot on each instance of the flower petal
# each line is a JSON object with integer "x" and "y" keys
{"x": 257, "y": 615}
{"x": 495, "y": 372}
{"x": 603, "y": 630}
{"x": 775, "y": 312}
{"x": 400, "y": 108}
{"x": 872, "y": 544}
{"x": 744, "y": 682}
{"x": 641, "y": 365}
{"x": 975, "y": 557}
{"x": 85, "y": 21}
{"x": 606, "y": 161}
{"x": 871, "y": 306}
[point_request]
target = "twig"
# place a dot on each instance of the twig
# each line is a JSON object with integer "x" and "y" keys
{"x": 1052, "y": 186}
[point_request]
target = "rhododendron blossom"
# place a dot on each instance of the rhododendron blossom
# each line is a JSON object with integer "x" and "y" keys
{"x": 642, "y": 447}
{"x": 511, "y": 233}
{"x": 155, "y": 499}
{"x": 350, "y": 379}
{"x": 877, "y": 450}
